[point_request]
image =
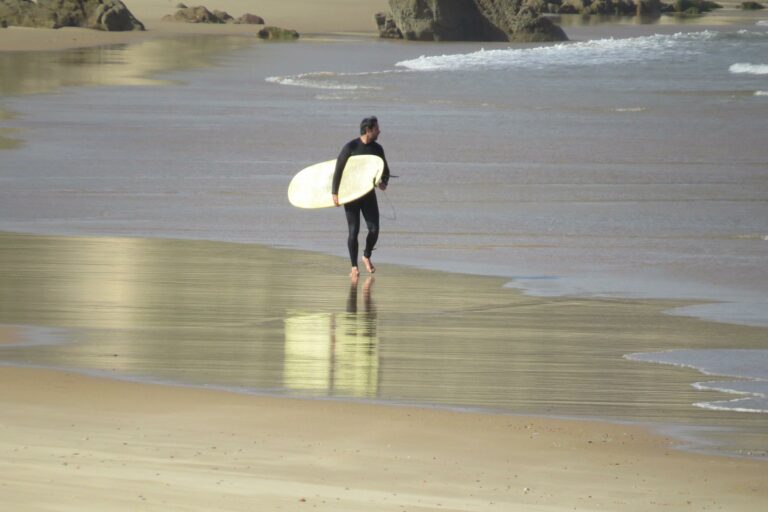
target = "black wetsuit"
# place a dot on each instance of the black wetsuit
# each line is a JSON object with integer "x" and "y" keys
{"x": 367, "y": 204}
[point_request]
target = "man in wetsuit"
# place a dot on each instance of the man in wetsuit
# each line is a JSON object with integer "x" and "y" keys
{"x": 367, "y": 205}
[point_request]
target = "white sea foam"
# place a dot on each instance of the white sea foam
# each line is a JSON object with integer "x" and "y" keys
{"x": 329, "y": 80}
{"x": 749, "y": 69}
{"x": 763, "y": 23}
{"x": 751, "y": 366}
{"x": 318, "y": 80}
{"x": 761, "y": 93}
{"x": 595, "y": 52}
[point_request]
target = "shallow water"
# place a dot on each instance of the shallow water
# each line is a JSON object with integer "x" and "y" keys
{"x": 618, "y": 167}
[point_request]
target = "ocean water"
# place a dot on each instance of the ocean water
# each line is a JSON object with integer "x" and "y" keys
{"x": 621, "y": 164}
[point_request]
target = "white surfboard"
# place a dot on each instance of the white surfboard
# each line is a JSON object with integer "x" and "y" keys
{"x": 311, "y": 187}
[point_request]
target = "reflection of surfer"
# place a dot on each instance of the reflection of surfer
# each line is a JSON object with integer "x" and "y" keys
{"x": 367, "y": 301}
{"x": 364, "y": 322}
{"x": 364, "y": 145}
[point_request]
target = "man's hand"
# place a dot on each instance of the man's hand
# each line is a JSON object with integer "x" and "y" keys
{"x": 335, "y": 199}
{"x": 383, "y": 186}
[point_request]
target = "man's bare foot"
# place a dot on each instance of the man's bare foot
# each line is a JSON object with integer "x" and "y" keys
{"x": 354, "y": 274}
{"x": 368, "y": 265}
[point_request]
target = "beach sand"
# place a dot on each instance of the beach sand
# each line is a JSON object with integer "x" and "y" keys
{"x": 306, "y": 16}
{"x": 82, "y": 442}
{"x": 71, "y": 442}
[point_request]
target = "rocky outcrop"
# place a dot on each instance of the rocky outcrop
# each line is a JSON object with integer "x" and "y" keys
{"x": 110, "y": 15}
{"x": 277, "y": 34}
{"x": 387, "y": 27}
{"x": 752, "y": 6}
{"x": 201, "y": 14}
{"x": 694, "y": 7}
{"x": 466, "y": 20}
{"x": 600, "y": 7}
{"x": 250, "y": 19}
{"x": 197, "y": 14}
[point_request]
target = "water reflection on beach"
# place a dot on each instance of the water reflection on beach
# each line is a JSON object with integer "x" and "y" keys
{"x": 253, "y": 319}
{"x": 336, "y": 353}
{"x": 135, "y": 64}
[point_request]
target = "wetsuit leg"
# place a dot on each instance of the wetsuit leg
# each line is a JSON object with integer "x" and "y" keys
{"x": 352, "y": 211}
{"x": 370, "y": 208}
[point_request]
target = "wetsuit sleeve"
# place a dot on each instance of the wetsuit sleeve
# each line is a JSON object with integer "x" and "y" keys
{"x": 341, "y": 162}
{"x": 385, "y": 174}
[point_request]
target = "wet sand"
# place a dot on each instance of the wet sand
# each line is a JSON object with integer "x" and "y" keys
{"x": 251, "y": 319}
{"x": 71, "y": 442}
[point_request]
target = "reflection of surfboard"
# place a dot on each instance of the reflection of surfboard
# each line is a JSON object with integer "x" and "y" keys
{"x": 333, "y": 353}
{"x": 311, "y": 187}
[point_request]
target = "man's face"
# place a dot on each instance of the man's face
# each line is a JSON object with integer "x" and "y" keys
{"x": 373, "y": 133}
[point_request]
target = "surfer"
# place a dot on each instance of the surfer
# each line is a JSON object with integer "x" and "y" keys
{"x": 367, "y": 205}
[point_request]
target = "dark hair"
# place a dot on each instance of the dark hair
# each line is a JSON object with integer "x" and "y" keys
{"x": 367, "y": 124}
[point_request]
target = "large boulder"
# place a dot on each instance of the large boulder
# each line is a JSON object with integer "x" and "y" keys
{"x": 277, "y": 34}
{"x": 250, "y": 19}
{"x": 467, "y": 20}
{"x": 387, "y": 26}
{"x": 110, "y": 15}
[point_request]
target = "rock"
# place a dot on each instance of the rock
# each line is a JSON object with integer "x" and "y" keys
{"x": 198, "y": 14}
{"x": 25, "y": 13}
{"x": 250, "y": 19}
{"x": 223, "y": 16}
{"x": 752, "y": 6}
{"x": 277, "y": 34}
{"x": 387, "y": 27}
{"x": 110, "y": 15}
{"x": 602, "y": 7}
{"x": 467, "y": 20}
{"x": 181, "y": 6}
{"x": 113, "y": 16}
{"x": 694, "y": 6}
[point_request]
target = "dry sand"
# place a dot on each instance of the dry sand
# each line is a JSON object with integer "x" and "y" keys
{"x": 71, "y": 442}
{"x": 306, "y": 16}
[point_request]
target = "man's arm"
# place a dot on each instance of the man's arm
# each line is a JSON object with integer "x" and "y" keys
{"x": 384, "y": 175}
{"x": 341, "y": 162}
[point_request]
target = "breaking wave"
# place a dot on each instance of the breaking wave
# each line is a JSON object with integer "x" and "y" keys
{"x": 329, "y": 80}
{"x": 319, "y": 80}
{"x": 595, "y": 52}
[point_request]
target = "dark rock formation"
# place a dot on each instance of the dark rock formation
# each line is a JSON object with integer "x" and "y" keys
{"x": 201, "y": 14}
{"x": 599, "y": 7}
{"x": 250, "y": 19}
{"x": 198, "y": 14}
{"x": 277, "y": 34}
{"x": 387, "y": 27}
{"x": 752, "y": 6}
{"x": 111, "y": 15}
{"x": 694, "y": 6}
{"x": 466, "y": 20}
